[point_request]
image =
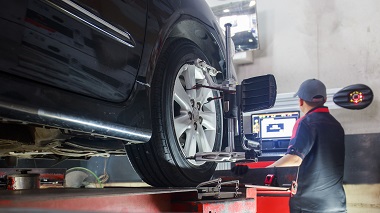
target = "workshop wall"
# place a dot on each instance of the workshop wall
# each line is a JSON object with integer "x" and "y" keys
{"x": 338, "y": 42}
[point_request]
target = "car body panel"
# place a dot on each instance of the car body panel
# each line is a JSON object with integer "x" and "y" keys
{"x": 104, "y": 92}
{"x": 58, "y": 50}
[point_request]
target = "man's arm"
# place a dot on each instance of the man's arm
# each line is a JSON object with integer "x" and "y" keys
{"x": 287, "y": 160}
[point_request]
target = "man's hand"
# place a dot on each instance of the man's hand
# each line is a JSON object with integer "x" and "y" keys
{"x": 240, "y": 169}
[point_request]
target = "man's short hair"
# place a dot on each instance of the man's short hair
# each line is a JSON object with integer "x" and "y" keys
{"x": 315, "y": 103}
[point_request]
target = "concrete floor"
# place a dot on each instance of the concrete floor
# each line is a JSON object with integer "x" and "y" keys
{"x": 363, "y": 198}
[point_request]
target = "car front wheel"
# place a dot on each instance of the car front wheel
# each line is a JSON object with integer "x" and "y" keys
{"x": 184, "y": 121}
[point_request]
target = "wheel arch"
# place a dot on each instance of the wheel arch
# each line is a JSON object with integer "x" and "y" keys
{"x": 203, "y": 37}
{"x": 186, "y": 27}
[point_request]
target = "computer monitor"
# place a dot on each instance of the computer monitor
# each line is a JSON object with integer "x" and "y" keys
{"x": 274, "y": 125}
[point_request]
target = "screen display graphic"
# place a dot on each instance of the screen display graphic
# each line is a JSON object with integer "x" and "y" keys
{"x": 274, "y": 125}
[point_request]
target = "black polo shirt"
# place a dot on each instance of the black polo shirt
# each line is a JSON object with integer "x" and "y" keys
{"x": 318, "y": 138}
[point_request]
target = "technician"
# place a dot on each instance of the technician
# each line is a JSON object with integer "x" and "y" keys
{"x": 317, "y": 147}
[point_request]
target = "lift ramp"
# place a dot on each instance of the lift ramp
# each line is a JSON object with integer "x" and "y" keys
{"x": 205, "y": 198}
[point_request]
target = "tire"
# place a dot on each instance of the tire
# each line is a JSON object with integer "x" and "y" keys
{"x": 177, "y": 134}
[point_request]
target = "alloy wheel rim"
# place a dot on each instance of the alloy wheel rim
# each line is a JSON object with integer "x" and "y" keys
{"x": 195, "y": 118}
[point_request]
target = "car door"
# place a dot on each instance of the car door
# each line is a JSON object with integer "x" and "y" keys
{"x": 89, "y": 47}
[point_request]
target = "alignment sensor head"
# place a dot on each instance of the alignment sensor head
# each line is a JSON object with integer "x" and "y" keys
{"x": 357, "y": 96}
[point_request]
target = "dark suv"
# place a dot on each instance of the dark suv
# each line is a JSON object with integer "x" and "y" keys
{"x": 82, "y": 78}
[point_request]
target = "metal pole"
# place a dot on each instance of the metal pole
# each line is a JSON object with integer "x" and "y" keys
{"x": 230, "y": 83}
{"x": 228, "y": 51}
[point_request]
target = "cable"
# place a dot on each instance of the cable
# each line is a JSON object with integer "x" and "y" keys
{"x": 197, "y": 86}
{"x": 104, "y": 177}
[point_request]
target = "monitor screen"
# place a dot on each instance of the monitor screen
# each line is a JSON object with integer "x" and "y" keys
{"x": 274, "y": 125}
